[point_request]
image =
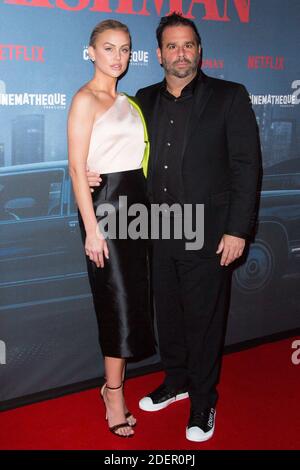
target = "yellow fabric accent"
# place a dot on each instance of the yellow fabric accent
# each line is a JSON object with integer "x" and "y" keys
{"x": 146, "y": 137}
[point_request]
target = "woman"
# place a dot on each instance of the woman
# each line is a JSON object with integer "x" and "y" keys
{"x": 107, "y": 135}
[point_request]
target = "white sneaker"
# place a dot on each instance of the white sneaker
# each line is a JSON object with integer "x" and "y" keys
{"x": 161, "y": 398}
{"x": 201, "y": 425}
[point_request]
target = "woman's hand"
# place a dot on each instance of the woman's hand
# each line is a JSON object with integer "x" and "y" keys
{"x": 94, "y": 179}
{"x": 96, "y": 247}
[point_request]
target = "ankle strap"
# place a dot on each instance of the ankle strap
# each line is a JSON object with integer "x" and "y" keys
{"x": 114, "y": 388}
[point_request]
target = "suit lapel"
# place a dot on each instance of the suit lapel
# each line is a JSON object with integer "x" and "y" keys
{"x": 202, "y": 95}
{"x": 152, "y": 122}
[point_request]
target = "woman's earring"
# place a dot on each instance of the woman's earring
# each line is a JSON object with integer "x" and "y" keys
{"x": 93, "y": 60}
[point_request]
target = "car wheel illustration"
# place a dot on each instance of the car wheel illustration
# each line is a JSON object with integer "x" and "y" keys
{"x": 262, "y": 269}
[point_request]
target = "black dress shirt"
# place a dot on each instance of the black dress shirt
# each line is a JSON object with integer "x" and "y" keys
{"x": 173, "y": 117}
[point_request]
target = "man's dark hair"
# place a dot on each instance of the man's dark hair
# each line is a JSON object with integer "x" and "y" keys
{"x": 175, "y": 19}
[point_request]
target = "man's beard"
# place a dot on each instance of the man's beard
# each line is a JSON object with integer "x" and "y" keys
{"x": 170, "y": 69}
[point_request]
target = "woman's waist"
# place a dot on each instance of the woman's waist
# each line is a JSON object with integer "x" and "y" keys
{"x": 129, "y": 183}
{"x": 117, "y": 176}
{"x": 108, "y": 162}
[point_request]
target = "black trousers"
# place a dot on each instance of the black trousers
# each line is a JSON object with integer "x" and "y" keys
{"x": 191, "y": 293}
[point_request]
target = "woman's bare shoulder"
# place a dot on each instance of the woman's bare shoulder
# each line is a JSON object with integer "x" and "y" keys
{"x": 84, "y": 98}
{"x": 87, "y": 98}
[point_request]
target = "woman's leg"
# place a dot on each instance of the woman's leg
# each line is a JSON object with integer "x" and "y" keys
{"x": 113, "y": 395}
{"x": 131, "y": 420}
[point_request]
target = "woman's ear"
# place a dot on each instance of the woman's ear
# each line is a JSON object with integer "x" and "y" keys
{"x": 91, "y": 53}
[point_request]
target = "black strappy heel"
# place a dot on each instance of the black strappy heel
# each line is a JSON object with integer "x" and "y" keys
{"x": 115, "y": 428}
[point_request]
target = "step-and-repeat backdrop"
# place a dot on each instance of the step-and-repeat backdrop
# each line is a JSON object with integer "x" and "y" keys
{"x": 48, "y": 333}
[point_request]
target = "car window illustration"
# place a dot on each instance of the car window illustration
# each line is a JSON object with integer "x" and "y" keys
{"x": 31, "y": 195}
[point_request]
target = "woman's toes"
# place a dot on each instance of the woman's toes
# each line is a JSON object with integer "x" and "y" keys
{"x": 126, "y": 432}
{"x": 131, "y": 420}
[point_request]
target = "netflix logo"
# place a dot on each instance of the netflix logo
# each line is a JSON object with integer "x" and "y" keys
{"x": 265, "y": 62}
{"x": 21, "y": 53}
{"x": 212, "y": 64}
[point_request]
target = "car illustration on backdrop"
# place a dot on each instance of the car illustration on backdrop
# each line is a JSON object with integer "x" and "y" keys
{"x": 41, "y": 254}
{"x": 275, "y": 252}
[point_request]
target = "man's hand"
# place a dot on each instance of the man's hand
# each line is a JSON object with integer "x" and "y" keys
{"x": 231, "y": 248}
{"x": 94, "y": 179}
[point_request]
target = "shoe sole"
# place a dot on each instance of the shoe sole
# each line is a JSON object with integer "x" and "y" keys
{"x": 165, "y": 404}
{"x": 204, "y": 438}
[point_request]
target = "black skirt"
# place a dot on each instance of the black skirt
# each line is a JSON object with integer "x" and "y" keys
{"x": 120, "y": 290}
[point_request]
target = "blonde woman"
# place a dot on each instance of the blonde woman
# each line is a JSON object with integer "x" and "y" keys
{"x": 106, "y": 134}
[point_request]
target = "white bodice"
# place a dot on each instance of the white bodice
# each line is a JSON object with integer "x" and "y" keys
{"x": 117, "y": 139}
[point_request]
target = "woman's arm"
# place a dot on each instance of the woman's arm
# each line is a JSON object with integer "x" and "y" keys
{"x": 80, "y": 123}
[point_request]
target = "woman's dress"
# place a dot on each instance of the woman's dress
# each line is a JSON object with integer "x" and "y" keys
{"x": 121, "y": 289}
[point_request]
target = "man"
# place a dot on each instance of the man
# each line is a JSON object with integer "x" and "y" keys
{"x": 204, "y": 150}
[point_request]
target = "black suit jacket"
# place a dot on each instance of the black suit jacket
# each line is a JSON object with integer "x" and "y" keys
{"x": 220, "y": 158}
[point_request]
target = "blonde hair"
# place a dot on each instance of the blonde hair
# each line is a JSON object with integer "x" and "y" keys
{"x": 104, "y": 26}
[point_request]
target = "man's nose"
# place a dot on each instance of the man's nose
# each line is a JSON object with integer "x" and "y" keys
{"x": 181, "y": 51}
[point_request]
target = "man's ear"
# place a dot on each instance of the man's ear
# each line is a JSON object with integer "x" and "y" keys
{"x": 158, "y": 53}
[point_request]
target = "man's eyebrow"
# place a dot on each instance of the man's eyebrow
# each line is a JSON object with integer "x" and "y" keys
{"x": 173, "y": 43}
